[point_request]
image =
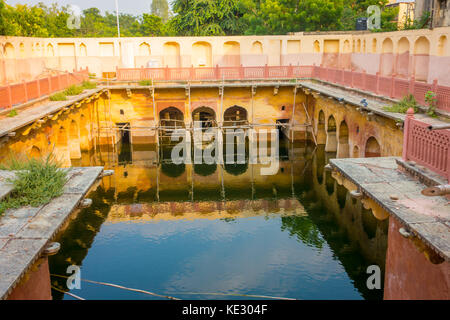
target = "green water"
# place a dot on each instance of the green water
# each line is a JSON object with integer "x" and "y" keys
{"x": 189, "y": 231}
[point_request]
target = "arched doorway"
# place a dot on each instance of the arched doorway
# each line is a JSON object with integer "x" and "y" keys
{"x": 421, "y": 59}
{"x": 172, "y": 54}
{"x": 402, "y": 69}
{"x": 231, "y": 54}
{"x": 171, "y": 117}
{"x": 35, "y": 152}
{"x": 355, "y": 152}
{"x": 343, "y": 146}
{"x": 373, "y": 149}
{"x": 331, "y": 143}
{"x": 387, "y": 57}
{"x": 201, "y": 54}
{"x": 204, "y": 117}
{"x": 84, "y": 133}
{"x": 235, "y": 116}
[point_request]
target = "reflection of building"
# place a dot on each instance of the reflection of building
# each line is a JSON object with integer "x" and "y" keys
{"x": 405, "y": 10}
{"x": 439, "y": 11}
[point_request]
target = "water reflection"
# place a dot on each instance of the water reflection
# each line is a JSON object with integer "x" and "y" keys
{"x": 221, "y": 228}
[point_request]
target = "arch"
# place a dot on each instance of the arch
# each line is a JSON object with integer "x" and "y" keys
{"x": 84, "y": 133}
{"x": 171, "y": 117}
{"x": 204, "y": 117}
{"x": 403, "y": 49}
{"x": 74, "y": 141}
{"x": 355, "y": 152}
{"x": 35, "y": 152}
{"x": 387, "y": 57}
{"x": 442, "y": 46}
{"x": 83, "y": 50}
{"x": 21, "y": 50}
{"x": 343, "y": 145}
{"x": 9, "y": 51}
{"x": 171, "y": 52}
{"x": 144, "y": 49}
{"x": 204, "y": 169}
{"x": 321, "y": 134}
{"x": 358, "y": 46}
{"x": 50, "y": 50}
{"x": 201, "y": 54}
{"x": 235, "y": 115}
{"x": 374, "y": 45}
{"x": 257, "y": 48}
{"x": 364, "y": 46}
{"x": 347, "y": 48}
{"x": 316, "y": 48}
{"x": 62, "y": 139}
{"x": 231, "y": 54}
{"x": 373, "y": 148}
{"x": 331, "y": 143}
{"x": 421, "y": 58}
{"x": 38, "y": 49}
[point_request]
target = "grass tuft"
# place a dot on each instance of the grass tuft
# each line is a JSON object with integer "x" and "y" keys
{"x": 73, "y": 90}
{"x": 145, "y": 82}
{"x": 12, "y": 113}
{"x": 89, "y": 85}
{"x": 60, "y": 96}
{"x": 36, "y": 182}
{"x": 403, "y": 105}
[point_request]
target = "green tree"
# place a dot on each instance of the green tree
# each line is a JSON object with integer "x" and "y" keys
{"x": 151, "y": 25}
{"x": 160, "y": 8}
{"x": 208, "y": 17}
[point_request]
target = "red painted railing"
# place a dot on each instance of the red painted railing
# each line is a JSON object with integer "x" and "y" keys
{"x": 430, "y": 149}
{"x": 19, "y": 93}
{"x": 392, "y": 86}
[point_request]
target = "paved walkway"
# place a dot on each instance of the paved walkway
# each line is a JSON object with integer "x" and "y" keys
{"x": 378, "y": 178}
{"x": 31, "y": 114}
{"x": 25, "y": 232}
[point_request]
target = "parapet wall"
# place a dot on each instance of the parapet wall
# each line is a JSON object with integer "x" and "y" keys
{"x": 422, "y": 54}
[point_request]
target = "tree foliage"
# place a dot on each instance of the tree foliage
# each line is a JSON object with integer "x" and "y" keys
{"x": 198, "y": 18}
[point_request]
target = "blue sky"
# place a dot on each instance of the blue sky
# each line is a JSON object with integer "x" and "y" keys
{"x": 126, "y": 6}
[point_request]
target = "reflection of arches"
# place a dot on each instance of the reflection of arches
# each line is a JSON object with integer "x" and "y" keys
{"x": 232, "y": 54}
{"x": 171, "y": 52}
{"x": 83, "y": 50}
{"x": 144, "y": 49}
{"x": 343, "y": 146}
{"x": 442, "y": 46}
{"x": 9, "y": 51}
{"x": 373, "y": 148}
{"x": 35, "y": 153}
{"x": 355, "y": 152}
{"x": 257, "y": 48}
{"x": 341, "y": 195}
{"x": 369, "y": 223}
{"x": 235, "y": 115}
{"x": 331, "y": 143}
{"x": 236, "y": 169}
{"x": 316, "y": 46}
{"x": 421, "y": 58}
{"x": 201, "y": 54}
{"x": 171, "y": 117}
{"x": 329, "y": 183}
{"x": 403, "y": 57}
{"x": 205, "y": 116}
{"x": 387, "y": 57}
{"x": 321, "y": 134}
{"x": 173, "y": 170}
{"x": 205, "y": 169}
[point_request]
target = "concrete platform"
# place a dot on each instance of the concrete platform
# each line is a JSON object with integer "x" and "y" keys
{"x": 399, "y": 194}
{"x": 25, "y": 232}
{"x": 29, "y": 115}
